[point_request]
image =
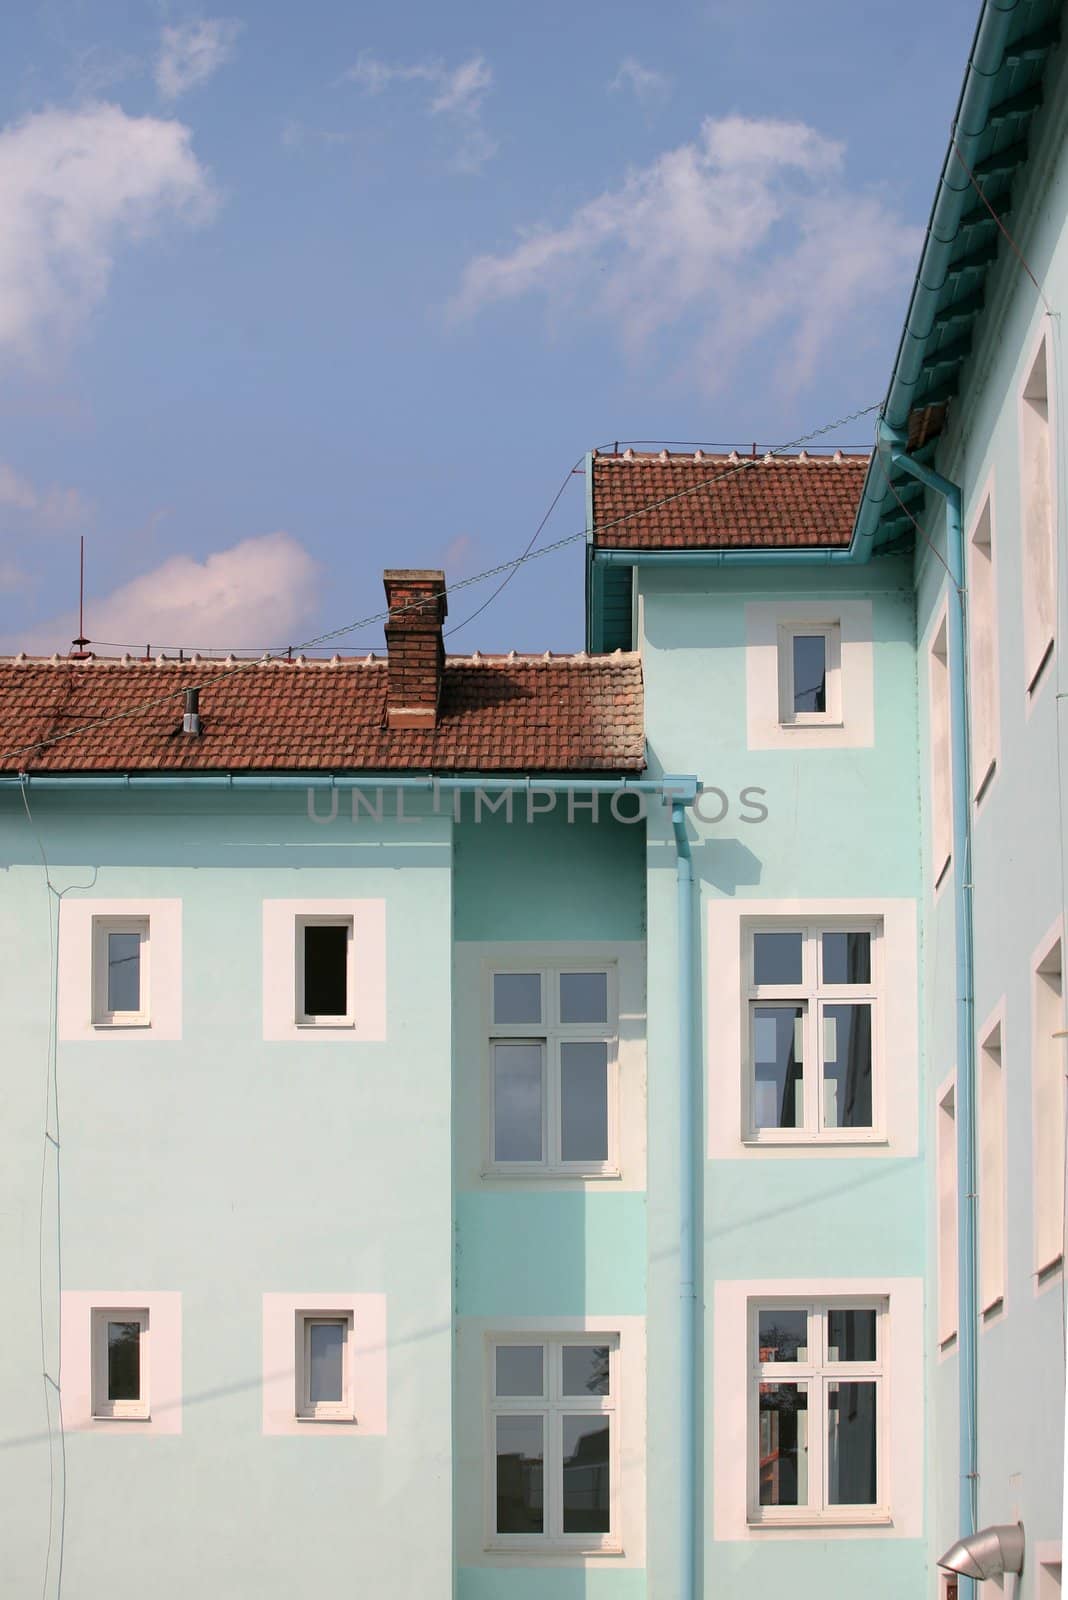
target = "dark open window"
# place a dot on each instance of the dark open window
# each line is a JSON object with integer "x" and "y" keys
{"x": 326, "y": 969}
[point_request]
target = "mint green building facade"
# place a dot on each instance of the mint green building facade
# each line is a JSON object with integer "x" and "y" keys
{"x": 532, "y": 1159}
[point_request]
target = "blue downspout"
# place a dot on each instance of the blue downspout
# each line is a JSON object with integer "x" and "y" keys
{"x": 688, "y": 1308}
{"x": 967, "y": 1307}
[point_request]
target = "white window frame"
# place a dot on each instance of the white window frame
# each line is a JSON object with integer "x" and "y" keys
{"x": 983, "y": 630}
{"x": 1038, "y": 538}
{"x": 1048, "y": 1088}
{"x": 103, "y": 927}
{"x": 305, "y": 1409}
{"x": 551, "y": 1034}
{"x": 831, "y": 633}
{"x": 812, "y": 994}
{"x": 992, "y": 1168}
{"x": 103, "y": 1409}
{"x": 947, "y": 1209}
{"x": 818, "y": 1374}
{"x": 305, "y": 1019}
{"x": 552, "y": 1406}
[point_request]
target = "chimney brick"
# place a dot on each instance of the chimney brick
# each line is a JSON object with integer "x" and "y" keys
{"x": 417, "y": 609}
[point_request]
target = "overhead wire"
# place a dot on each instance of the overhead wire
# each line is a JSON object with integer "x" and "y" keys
{"x": 747, "y": 463}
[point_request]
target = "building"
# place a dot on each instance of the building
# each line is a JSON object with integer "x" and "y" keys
{"x": 520, "y": 1127}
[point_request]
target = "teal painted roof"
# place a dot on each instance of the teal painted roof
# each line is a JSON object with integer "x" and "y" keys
{"x": 990, "y": 144}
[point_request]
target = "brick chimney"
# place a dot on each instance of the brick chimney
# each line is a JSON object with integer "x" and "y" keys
{"x": 417, "y": 610}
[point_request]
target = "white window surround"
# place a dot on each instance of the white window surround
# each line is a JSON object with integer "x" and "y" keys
{"x": 727, "y": 1054}
{"x": 814, "y": 995}
{"x": 82, "y": 1014}
{"x": 473, "y": 963}
{"x": 85, "y": 1408}
{"x": 1037, "y": 406}
{"x": 1048, "y": 1063}
{"x": 817, "y": 1370}
{"x": 939, "y": 749}
{"x": 551, "y": 1408}
{"x": 992, "y": 1165}
{"x": 946, "y": 1217}
{"x": 902, "y": 1367}
{"x": 849, "y": 621}
{"x": 555, "y": 1033}
{"x": 982, "y": 607}
{"x": 307, "y": 1408}
{"x": 831, "y": 634}
{"x": 284, "y": 1317}
{"x": 283, "y": 922}
{"x": 474, "y": 1335}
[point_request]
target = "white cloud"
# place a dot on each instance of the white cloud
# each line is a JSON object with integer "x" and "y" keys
{"x": 647, "y": 85}
{"x": 73, "y": 185}
{"x": 261, "y": 591}
{"x": 457, "y": 94}
{"x": 749, "y": 228}
{"x": 458, "y": 555}
{"x": 192, "y": 52}
{"x": 51, "y": 509}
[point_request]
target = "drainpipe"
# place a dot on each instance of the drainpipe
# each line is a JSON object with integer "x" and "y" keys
{"x": 688, "y": 1168}
{"x": 967, "y": 1308}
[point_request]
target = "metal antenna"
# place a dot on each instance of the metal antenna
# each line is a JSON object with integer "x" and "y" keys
{"x": 78, "y": 650}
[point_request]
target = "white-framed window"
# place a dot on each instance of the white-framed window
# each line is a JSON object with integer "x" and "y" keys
{"x": 946, "y": 1163}
{"x": 120, "y": 972}
{"x": 992, "y": 1174}
{"x": 324, "y": 1363}
{"x": 982, "y": 618}
{"x": 1037, "y": 520}
{"x": 941, "y": 790}
{"x": 552, "y": 1447}
{"x": 120, "y": 1377}
{"x": 818, "y": 1411}
{"x": 325, "y": 980}
{"x": 810, "y": 667}
{"x": 1048, "y": 1079}
{"x": 553, "y": 1070}
{"x": 812, "y": 1028}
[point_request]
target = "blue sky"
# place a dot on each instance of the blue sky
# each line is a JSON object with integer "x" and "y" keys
{"x": 289, "y": 294}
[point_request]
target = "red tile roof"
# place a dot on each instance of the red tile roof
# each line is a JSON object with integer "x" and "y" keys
{"x": 542, "y": 714}
{"x": 725, "y": 502}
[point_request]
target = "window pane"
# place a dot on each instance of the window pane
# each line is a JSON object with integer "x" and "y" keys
{"x": 583, "y": 997}
{"x": 851, "y": 1335}
{"x": 520, "y": 1495}
{"x": 847, "y": 1066}
{"x": 517, "y": 1098}
{"x": 326, "y": 1362}
{"x": 124, "y": 1361}
{"x": 783, "y": 1334}
{"x": 516, "y": 997}
{"x": 851, "y": 1475}
{"x": 520, "y": 1369}
{"x": 777, "y": 957}
{"x": 326, "y": 959}
{"x": 810, "y": 672}
{"x": 783, "y": 1444}
{"x": 847, "y": 958}
{"x": 124, "y": 972}
{"x": 586, "y": 1369}
{"x": 777, "y": 1066}
{"x": 584, "y": 1101}
{"x": 586, "y": 1484}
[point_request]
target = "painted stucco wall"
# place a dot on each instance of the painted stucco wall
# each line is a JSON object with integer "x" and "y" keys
{"x": 1018, "y": 851}
{"x": 544, "y": 1253}
{"x": 220, "y": 1166}
{"x": 841, "y": 825}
